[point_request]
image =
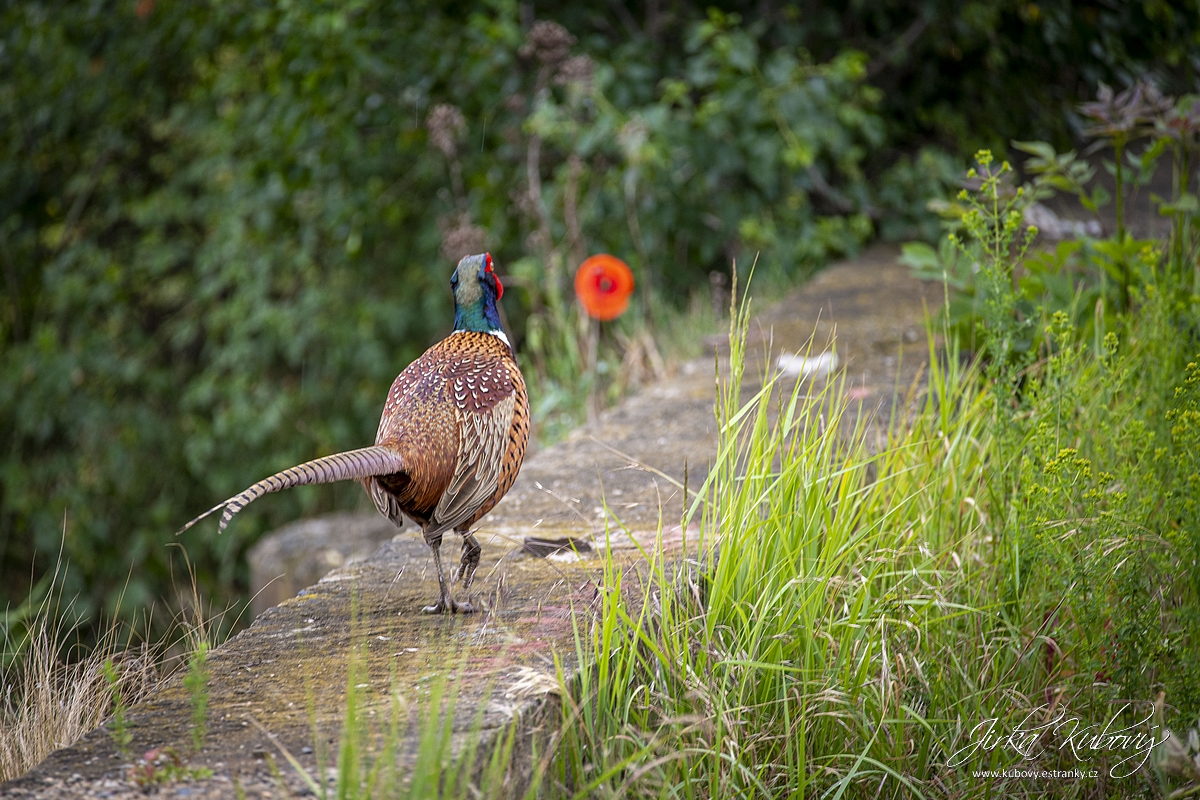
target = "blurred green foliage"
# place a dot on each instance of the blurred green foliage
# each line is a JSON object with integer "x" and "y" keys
{"x": 225, "y": 227}
{"x": 1074, "y": 270}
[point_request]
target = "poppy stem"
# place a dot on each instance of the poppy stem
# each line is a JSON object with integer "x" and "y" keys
{"x": 593, "y": 347}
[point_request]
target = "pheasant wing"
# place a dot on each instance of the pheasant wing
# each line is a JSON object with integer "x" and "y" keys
{"x": 484, "y": 398}
{"x": 481, "y": 452}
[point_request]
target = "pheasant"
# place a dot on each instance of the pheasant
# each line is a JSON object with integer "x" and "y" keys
{"x": 451, "y": 438}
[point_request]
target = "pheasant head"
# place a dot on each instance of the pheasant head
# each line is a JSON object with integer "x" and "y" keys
{"x": 476, "y": 290}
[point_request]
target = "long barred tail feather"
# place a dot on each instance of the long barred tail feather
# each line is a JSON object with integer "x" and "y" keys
{"x": 352, "y": 465}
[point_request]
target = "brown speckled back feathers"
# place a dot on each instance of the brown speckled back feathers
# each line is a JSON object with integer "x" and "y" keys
{"x": 459, "y": 418}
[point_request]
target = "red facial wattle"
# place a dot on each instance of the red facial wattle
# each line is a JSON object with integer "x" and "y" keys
{"x": 487, "y": 267}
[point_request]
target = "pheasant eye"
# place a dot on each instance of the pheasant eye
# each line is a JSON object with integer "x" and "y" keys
{"x": 487, "y": 262}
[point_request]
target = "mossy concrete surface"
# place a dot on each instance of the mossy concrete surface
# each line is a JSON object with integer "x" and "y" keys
{"x": 269, "y": 684}
{"x": 286, "y": 676}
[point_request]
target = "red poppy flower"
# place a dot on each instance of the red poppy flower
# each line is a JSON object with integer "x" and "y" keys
{"x": 603, "y": 285}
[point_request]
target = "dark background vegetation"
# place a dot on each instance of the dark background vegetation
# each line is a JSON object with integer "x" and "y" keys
{"x": 225, "y": 227}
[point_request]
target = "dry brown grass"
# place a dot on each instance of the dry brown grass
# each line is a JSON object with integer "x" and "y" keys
{"x": 53, "y": 687}
{"x": 53, "y": 693}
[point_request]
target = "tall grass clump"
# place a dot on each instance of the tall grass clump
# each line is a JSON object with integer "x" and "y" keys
{"x": 803, "y": 651}
{"x": 1016, "y": 551}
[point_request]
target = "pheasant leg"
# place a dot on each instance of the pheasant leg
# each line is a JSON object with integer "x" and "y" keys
{"x": 445, "y": 603}
{"x": 470, "y": 559}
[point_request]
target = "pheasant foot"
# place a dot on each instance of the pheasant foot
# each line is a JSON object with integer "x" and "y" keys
{"x": 469, "y": 562}
{"x": 455, "y": 607}
{"x": 445, "y": 603}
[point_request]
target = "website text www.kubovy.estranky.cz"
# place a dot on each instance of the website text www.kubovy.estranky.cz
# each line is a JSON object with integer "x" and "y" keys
{"x": 1017, "y": 772}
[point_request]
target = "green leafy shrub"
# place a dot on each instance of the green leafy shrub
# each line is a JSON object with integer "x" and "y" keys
{"x": 1092, "y": 551}
{"x": 225, "y": 227}
{"x": 1090, "y": 278}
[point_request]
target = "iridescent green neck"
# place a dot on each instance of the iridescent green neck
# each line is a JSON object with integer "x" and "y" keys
{"x": 474, "y": 318}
